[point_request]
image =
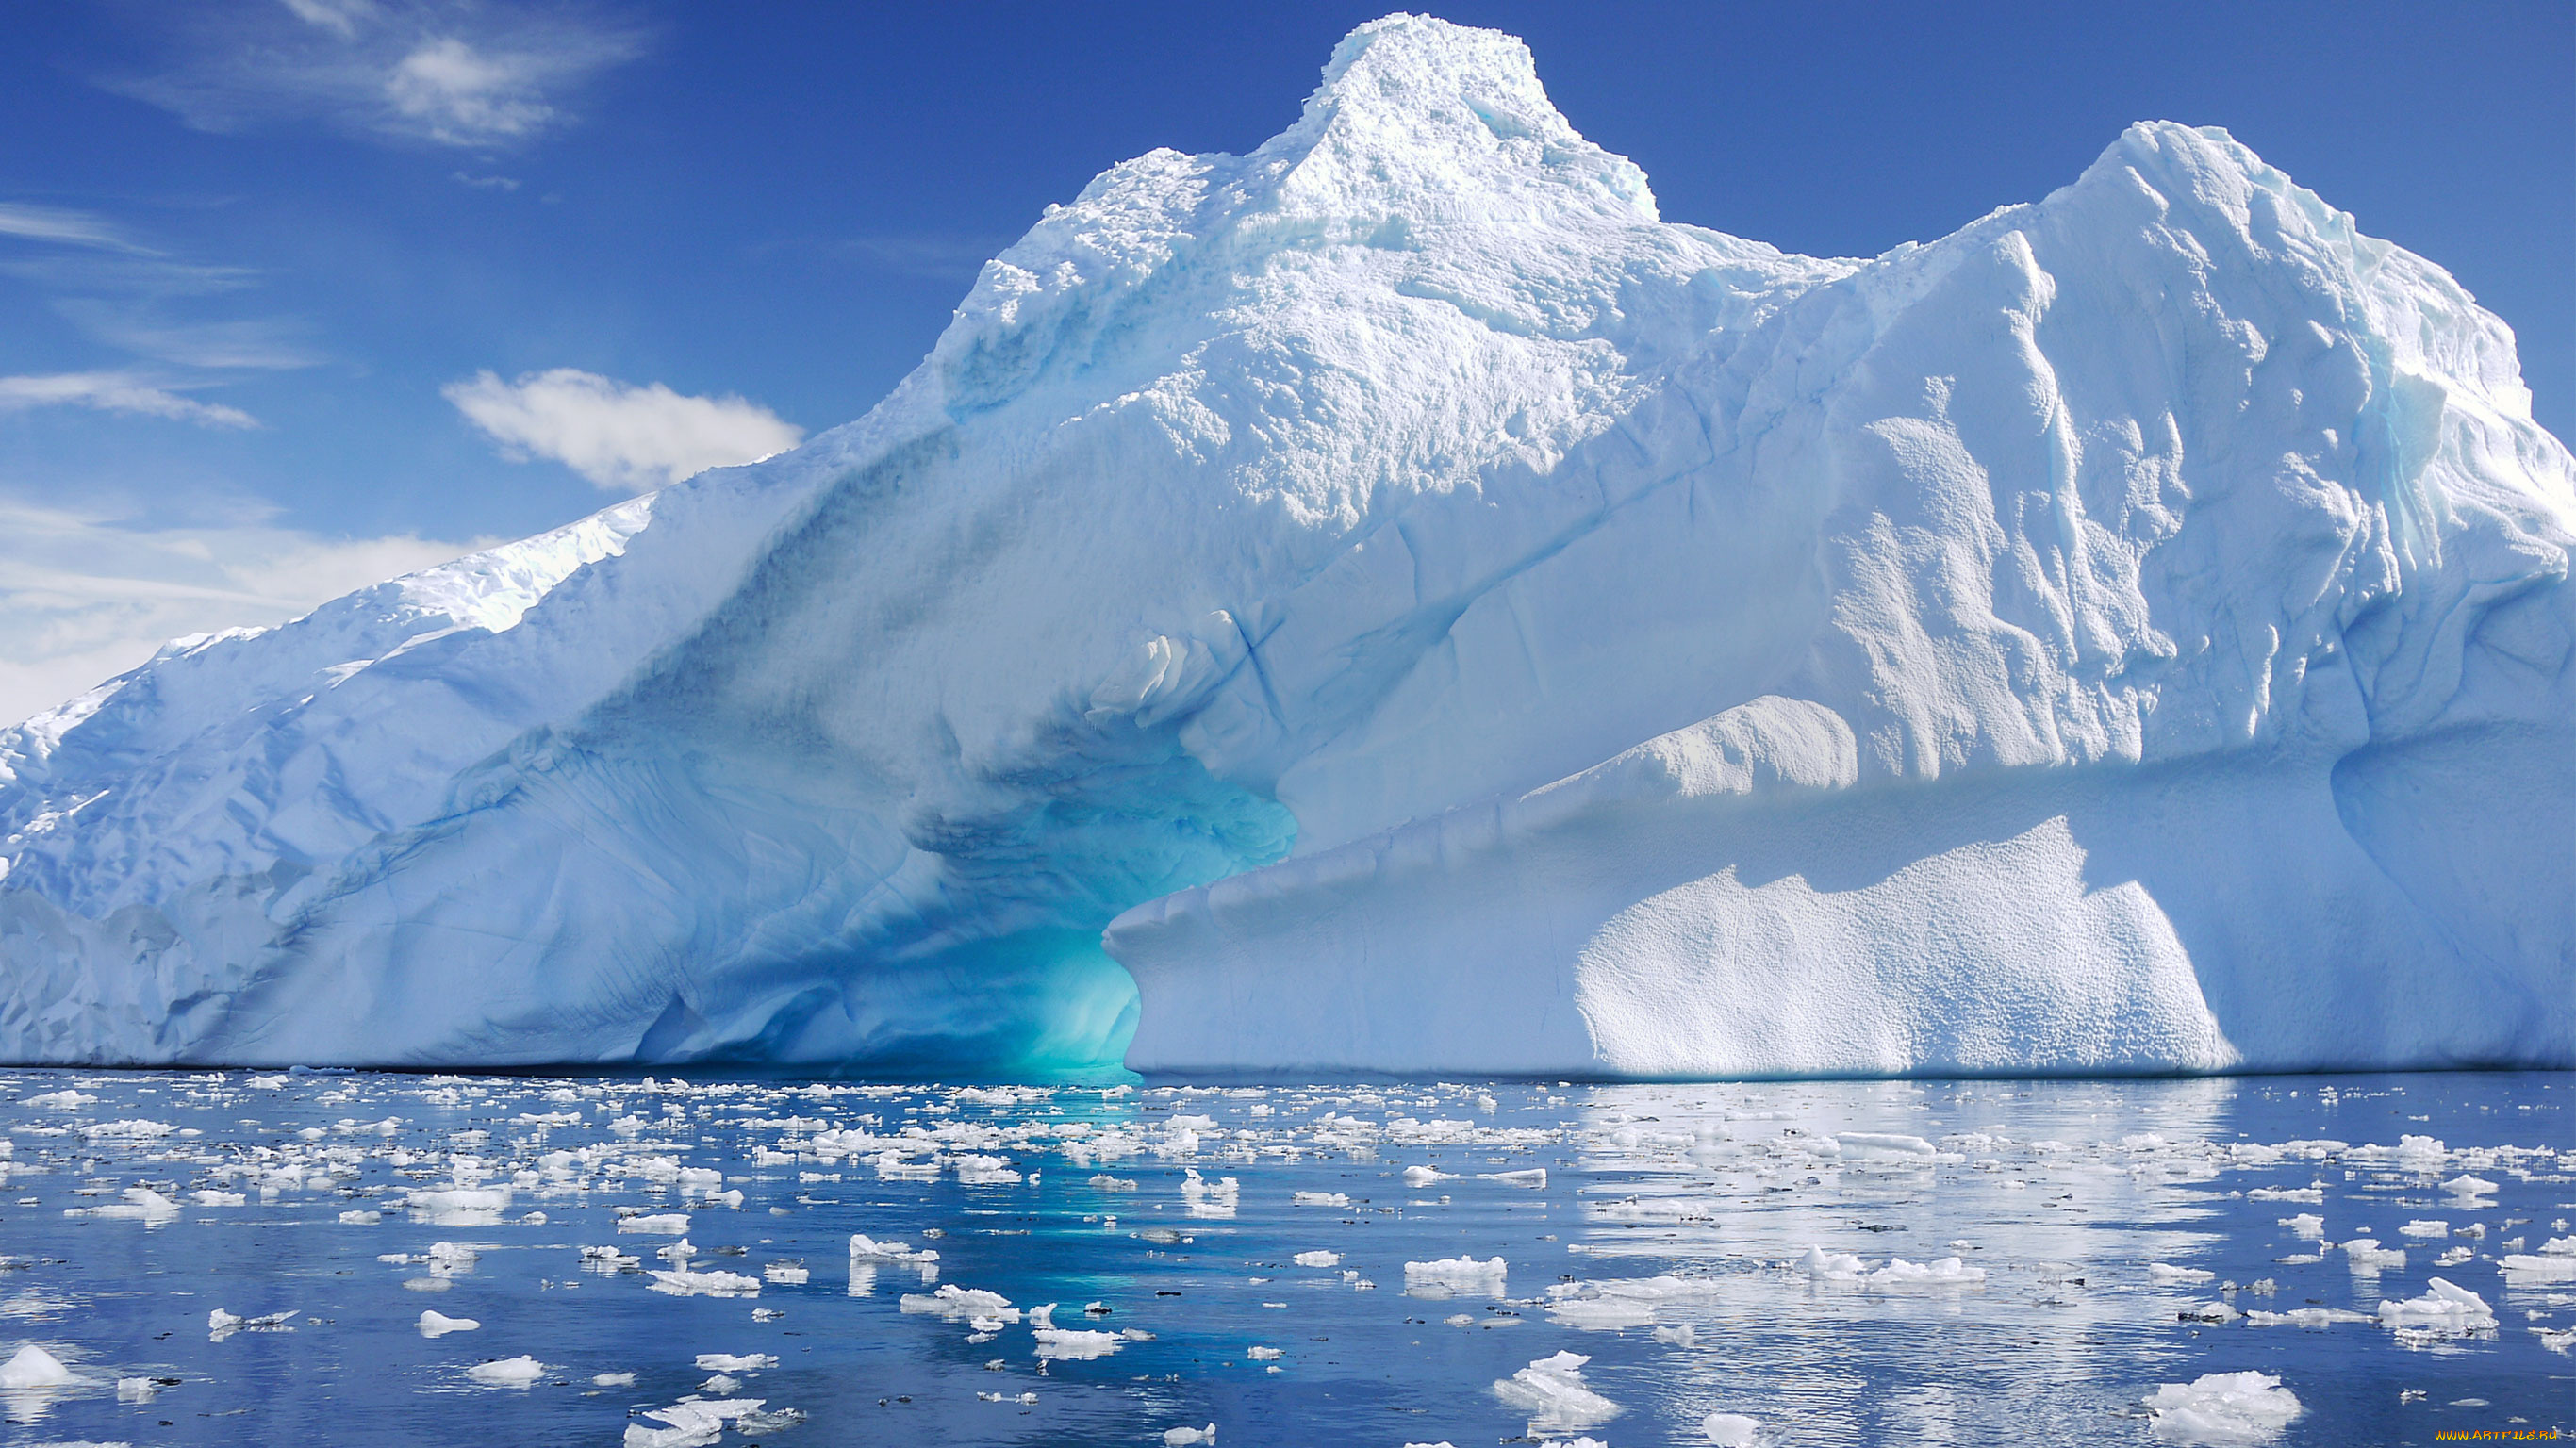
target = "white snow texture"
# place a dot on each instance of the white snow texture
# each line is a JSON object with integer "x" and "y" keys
{"x": 1435, "y": 616}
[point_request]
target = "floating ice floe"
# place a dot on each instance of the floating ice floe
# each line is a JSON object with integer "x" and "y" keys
{"x": 1320, "y": 1199}
{"x": 2554, "y": 1262}
{"x": 1843, "y": 1267}
{"x": 1454, "y": 1275}
{"x": 2222, "y": 1409}
{"x": 1187, "y": 1437}
{"x": 2167, "y": 1272}
{"x": 953, "y": 1302}
{"x": 221, "y": 1324}
{"x": 725, "y": 1362}
{"x": 2443, "y": 1310}
{"x": 1886, "y": 1146}
{"x": 140, "y": 1204}
{"x": 2365, "y": 1255}
{"x": 2312, "y": 1317}
{"x": 867, "y": 1248}
{"x": 33, "y": 1367}
{"x": 1552, "y": 1392}
{"x": 439, "y": 1324}
{"x": 1203, "y": 1198}
{"x": 1730, "y": 1430}
{"x": 695, "y": 1424}
{"x": 459, "y": 1206}
{"x": 515, "y": 1372}
{"x": 135, "y": 1130}
{"x": 1319, "y": 1259}
{"x": 705, "y": 1284}
{"x": 671, "y": 1224}
{"x": 1076, "y": 1343}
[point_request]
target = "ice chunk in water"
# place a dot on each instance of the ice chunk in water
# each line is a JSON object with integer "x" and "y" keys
{"x": 33, "y": 1367}
{"x": 439, "y": 1324}
{"x": 2443, "y": 1308}
{"x": 1062, "y": 1342}
{"x": 1551, "y": 1390}
{"x": 1452, "y": 1275}
{"x": 1730, "y": 1430}
{"x": 2222, "y": 1408}
{"x": 517, "y": 1372}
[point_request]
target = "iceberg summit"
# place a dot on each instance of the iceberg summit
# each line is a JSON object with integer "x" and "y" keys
{"x": 1391, "y": 603}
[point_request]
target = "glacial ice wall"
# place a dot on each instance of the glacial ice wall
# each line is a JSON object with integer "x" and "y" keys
{"x": 1435, "y": 616}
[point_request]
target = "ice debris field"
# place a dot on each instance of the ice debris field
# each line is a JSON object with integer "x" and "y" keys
{"x": 227, "y": 1258}
{"x": 1393, "y": 602}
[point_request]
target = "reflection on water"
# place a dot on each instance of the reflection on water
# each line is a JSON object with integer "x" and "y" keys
{"x": 228, "y": 1258}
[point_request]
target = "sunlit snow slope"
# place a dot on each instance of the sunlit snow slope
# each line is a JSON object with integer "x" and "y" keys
{"x": 1435, "y": 616}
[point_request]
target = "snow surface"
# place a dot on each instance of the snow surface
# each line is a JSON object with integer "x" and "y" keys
{"x": 1435, "y": 615}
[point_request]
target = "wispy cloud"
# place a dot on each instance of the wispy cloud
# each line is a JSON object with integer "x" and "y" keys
{"x": 618, "y": 435}
{"x": 85, "y": 251}
{"x": 340, "y": 17}
{"x": 122, "y": 293}
{"x": 940, "y": 256}
{"x": 447, "y": 72}
{"x": 70, "y": 228}
{"x": 89, "y": 595}
{"x": 488, "y": 183}
{"x": 257, "y": 344}
{"x": 116, "y": 392}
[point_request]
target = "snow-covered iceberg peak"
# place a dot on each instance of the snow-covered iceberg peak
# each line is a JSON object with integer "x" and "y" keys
{"x": 1434, "y": 615}
{"x": 1421, "y": 120}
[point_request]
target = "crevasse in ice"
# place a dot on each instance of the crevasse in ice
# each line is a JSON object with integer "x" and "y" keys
{"x": 1391, "y": 602}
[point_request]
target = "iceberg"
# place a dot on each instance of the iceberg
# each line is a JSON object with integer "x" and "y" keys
{"x": 1391, "y": 602}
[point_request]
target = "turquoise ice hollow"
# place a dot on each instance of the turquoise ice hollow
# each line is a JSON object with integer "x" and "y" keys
{"x": 1391, "y": 602}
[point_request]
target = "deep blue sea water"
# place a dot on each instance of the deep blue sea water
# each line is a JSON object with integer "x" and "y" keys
{"x": 2090, "y": 1207}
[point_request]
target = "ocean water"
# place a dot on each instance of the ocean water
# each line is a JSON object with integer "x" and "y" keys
{"x": 1237, "y": 1258}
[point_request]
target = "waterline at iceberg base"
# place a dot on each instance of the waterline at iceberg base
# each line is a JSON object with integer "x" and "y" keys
{"x": 1390, "y": 602}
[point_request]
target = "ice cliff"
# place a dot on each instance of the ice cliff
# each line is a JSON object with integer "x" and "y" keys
{"x": 1391, "y": 602}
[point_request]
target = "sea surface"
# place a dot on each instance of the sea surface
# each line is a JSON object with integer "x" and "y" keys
{"x": 234, "y": 1258}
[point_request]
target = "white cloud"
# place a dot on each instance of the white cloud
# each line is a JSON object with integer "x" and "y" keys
{"x": 115, "y": 392}
{"x": 85, "y": 597}
{"x": 618, "y": 435}
{"x": 452, "y": 72}
{"x": 465, "y": 97}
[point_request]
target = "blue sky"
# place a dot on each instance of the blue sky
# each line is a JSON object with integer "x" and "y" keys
{"x": 273, "y": 272}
